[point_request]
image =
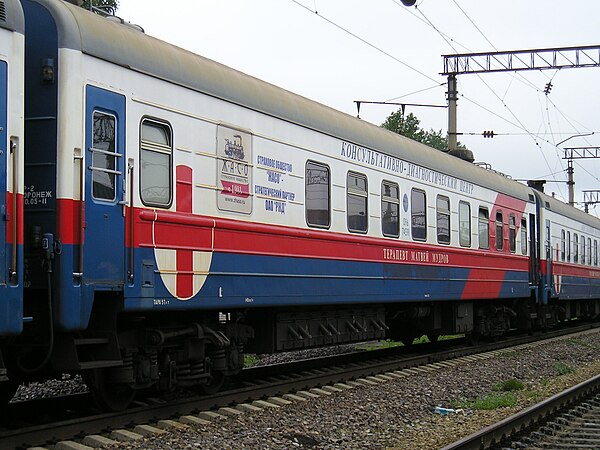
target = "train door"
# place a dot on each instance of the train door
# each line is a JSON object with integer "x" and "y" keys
{"x": 533, "y": 252}
{"x": 3, "y": 159}
{"x": 104, "y": 236}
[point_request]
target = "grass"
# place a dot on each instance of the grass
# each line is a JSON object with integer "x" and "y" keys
{"x": 491, "y": 401}
{"x": 581, "y": 343}
{"x": 250, "y": 360}
{"x": 509, "y": 385}
{"x": 562, "y": 368}
{"x": 386, "y": 343}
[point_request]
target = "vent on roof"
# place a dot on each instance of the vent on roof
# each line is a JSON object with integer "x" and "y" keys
{"x": 2, "y": 11}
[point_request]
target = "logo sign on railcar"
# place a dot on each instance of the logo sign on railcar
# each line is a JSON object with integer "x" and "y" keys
{"x": 275, "y": 182}
{"x": 234, "y": 152}
{"x": 409, "y": 170}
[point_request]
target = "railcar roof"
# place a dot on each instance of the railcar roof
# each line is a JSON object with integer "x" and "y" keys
{"x": 569, "y": 211}
{"x": 120, "y": 44}
{"x": 12, "y": 19}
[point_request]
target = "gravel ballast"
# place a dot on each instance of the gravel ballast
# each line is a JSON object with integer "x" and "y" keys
{"x": 399, "y": 414}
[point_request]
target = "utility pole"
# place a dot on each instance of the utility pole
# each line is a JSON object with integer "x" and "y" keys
{"x": 510, "y": 61}
{"x": 452, "y": 119}
{"x": 577, "y": 153}
{"x": 590, "y": 198}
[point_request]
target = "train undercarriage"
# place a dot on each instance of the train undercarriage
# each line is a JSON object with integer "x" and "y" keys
{"x": 122, "y": 353}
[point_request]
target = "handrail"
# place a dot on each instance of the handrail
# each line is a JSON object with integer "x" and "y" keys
{"x": 78, "y": 154}
{"x": 15, "y": 208}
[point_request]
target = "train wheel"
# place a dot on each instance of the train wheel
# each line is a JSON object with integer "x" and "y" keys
{"x": 214, "y": 383}
{"x": 107, "y": 395}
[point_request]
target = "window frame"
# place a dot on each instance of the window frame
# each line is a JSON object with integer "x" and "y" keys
{"x": 500, "y": 227}
{"x": 357, "y": 193}
{"x": 440, "y": 213}
{"x": 512, "y": 233}
{"x": 115, "y": 155}
{"x": 563, "y": 245}
{"x": 460, "y": 222}
{"x": 414, "y": 191}
{"x": 524, "y": 236}
{"x": 395, "y": 202}
{"x": 306, "y": 215}
{"x": 158, "y": 148}
{"x": 568, "y": 246}
{"x": 575, "y": 248}
{"x": 486, "y": 227}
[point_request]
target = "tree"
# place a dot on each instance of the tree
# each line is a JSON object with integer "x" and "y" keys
{"x": 107, "y": 6}
{"x": 409, "y": 126}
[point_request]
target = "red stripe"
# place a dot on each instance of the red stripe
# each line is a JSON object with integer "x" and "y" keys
{"x": 12, "y": 217}
{"x": 572, "y": 270}
{"x": 192, "y": 232}
{"x": 483, "y": 283}
{"x": 185, "y": 258}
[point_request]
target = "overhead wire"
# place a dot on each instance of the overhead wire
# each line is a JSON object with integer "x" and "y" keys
{"x": 364, "y": 41}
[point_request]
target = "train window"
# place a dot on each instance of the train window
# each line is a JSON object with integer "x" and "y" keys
{"x": 583, "y": 250}
{"x": 595, "y": 252}
{"x": 390, "y": 209}
{"x": 562, "y": 245}
{"x": 568, "y": 246}
{"x": 464, "y": 224}
{"x": 356, "y": 184}
{"x": 442, "y": 206}
{"x": 499, "y": 231}
{"x": 512, "y": 233}
{"x": 484, "y": 228}
{"x": 523, "y": 236}
{"x": 418, "y": 215}
{"x": 104, "y": 157}
{"x": 575, "y": 248}
{"x": 156, "y": 150}
{"x": 318, "y": 195}
{"x": 589, "y": 251}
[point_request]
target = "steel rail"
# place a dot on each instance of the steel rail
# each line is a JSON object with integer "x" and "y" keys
{"x": 495, "y": 434}
{"x": 263, "y": 382}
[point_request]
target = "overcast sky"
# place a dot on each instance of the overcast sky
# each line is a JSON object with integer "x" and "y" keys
{"x": 286, "y": 43}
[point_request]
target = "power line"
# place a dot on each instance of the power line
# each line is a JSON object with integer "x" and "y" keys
{"x": 364, "y": 41}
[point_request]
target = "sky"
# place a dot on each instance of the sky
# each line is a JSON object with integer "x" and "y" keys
{"x": 340, "y": 51}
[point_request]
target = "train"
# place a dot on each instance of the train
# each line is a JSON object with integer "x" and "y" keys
{"x": 166, "y": 214}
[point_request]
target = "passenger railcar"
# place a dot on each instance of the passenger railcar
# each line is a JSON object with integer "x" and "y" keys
{"x": 570, "y": 263}
{"x": 12, "y": 52}
{"x": 179, "y": 212}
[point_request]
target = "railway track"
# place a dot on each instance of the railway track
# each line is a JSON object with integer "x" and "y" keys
{"x": 253, "y": 384}
{"x": 568, "y": 420}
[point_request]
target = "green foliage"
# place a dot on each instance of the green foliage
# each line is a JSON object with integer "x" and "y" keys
{"x": 409, "y": 126}
{"x": 509, "y": 385}
{"x": 386, "y": 343}
{"x": 250, "y": 360}
{"x": 490, "y": 401}
{"x": 107, "y": 6}
{"x": 581, "y": 343}
{"x": 562, "y": 368}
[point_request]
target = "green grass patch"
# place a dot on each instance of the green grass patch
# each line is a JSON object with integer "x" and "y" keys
{"x": 508, "y": 354}
{"x": 491, "y": 401}
{"x": 562, "y": 368}
{"x": 250, "y": 360}
{"x": 386, "y": 343}
{"x": 581, "y": 343}
{"x": 509, "y": 385}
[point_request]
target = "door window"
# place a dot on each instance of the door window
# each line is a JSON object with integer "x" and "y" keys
{"x": 104, "y": 157}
